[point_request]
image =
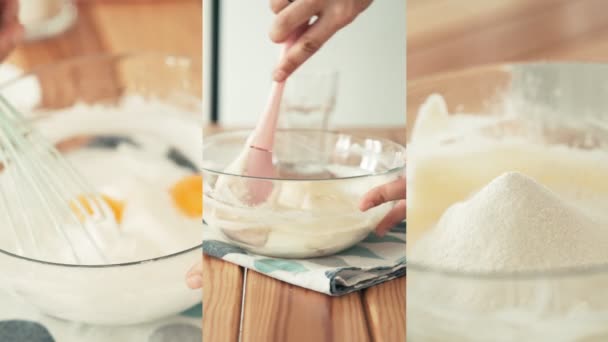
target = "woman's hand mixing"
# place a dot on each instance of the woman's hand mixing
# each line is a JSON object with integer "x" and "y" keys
{"x": 393, "y": 191}
{"x": 332, "y": 16}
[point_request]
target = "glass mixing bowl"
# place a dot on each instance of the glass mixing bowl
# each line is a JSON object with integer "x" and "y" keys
{"x": 120, "y": 293}
{"x": 313, "y": 209}
{"x": 561, "y": 107}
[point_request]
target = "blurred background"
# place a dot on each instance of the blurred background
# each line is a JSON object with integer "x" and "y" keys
{"x": 445, "y": 35}
{"x": 367, "y": 57}
{"x": 59, "y": 29}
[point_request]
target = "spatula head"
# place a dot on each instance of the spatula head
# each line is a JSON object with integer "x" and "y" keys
{"x": 259, "y": 164}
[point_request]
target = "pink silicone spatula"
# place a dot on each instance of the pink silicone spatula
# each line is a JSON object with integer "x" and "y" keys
{"x": 259, "y": 160}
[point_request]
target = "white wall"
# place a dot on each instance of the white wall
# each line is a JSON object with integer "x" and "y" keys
{"x": 369, "y": 55}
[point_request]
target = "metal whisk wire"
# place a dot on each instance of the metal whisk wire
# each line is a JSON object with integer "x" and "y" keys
{"x": 39, "y": 187}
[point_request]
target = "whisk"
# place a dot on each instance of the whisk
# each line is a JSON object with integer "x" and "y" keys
{"x": 44, "y": 202}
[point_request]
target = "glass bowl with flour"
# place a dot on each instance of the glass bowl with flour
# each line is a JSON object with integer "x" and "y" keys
{"x": 507, "y": 202}
{"x": 313, "y": 209}
{"x": 131, "y": 125}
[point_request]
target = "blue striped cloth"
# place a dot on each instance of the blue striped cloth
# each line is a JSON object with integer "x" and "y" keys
{"x": 371, "y": 262}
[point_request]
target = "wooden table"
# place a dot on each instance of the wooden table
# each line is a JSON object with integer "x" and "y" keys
{"x": 116, "y": 26}
{"x": 446, "y": 35}
{"x": 254, "y": 307}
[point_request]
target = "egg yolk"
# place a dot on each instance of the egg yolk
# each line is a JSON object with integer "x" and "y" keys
{"x": 114, "y": 204}
{"x": 187, "y": 195}
{"x": 117, "y": 207}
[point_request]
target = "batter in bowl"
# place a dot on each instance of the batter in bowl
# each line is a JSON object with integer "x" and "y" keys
{"x": 302, "y": 217}
{"x": 142, "y": 155}
{"x": 143, "y": 166}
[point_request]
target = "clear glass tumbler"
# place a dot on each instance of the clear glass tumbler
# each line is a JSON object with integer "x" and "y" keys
{"x": 309, "y": 99}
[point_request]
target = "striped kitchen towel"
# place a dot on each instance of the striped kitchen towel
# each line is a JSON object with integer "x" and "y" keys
{"x": 371, "y": 262}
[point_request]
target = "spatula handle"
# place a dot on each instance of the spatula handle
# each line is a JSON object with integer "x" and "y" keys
{"x": 263, "y": 137}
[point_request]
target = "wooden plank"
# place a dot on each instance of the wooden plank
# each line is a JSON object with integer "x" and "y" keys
{"x": 277, "y": 311}
{"x": 122, "y": 26}
{"x": 76, "y": 80}
{"x": 83, "y": 38}
{"x": 591, "y": 47}
{"x": 385, "y": 307}
{"x": 222, "y": 295}
{"x": 481, "y": 32}
{"x": 458, "y": 18}
{"x": 165, "y": 26}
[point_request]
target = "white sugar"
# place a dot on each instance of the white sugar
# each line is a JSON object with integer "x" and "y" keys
{"x": 513, "y": 224}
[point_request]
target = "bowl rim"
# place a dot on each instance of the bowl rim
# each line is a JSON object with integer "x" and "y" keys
{"x": 246, "y": 132}
{"x": 84, "y": 59}
{"x": 527, "y": 275}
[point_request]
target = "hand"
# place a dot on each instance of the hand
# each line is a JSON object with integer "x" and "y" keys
{"x": 332, "y": 16}
{"x": 11, "y": 31}
{"x": 194, "y": 278}
{"x": 393, "y": 191}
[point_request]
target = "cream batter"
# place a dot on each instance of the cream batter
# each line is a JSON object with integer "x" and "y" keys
{"x": 300, "y": 218}
{"x": 136, "y": 172}
{"x": 152, "y": 226}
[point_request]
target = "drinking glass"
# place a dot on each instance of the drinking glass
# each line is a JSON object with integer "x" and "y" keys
{"x": 309, "y": 99}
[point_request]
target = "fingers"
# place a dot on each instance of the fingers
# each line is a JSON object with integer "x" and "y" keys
{"x": 363, "y": 4}
{"x": 194, "y": 278}
{"x": 278, "y": 5}
{"x": 392, "y": 191}
{"x": 292, "y": 17}
{"x": 309, "y": 43}
{"x": 394, "y": 217}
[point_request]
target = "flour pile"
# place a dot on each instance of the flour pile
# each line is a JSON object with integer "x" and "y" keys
{"x": 513, "y": 224}
{"x": 506, "y": 212}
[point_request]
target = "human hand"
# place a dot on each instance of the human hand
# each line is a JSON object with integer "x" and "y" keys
{"x": 393, "y": 191}
{"x": 11, "y": 30}
{"x": 332, "y": 15}
{"x": 194, "y": 278}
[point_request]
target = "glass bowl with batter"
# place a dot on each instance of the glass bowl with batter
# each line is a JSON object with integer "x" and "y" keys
{"x": 313, "y": 209}
{"x": 544, "y": 120}
{"x": 131, "y": 124}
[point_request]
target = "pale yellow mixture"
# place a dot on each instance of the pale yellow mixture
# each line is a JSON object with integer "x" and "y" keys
{"x": 300, "y": 218}
{"x": 451, "y": 156}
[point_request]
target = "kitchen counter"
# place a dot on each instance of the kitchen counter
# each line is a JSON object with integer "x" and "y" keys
{"x": 246, "y": 304}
